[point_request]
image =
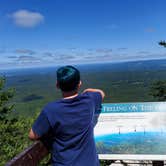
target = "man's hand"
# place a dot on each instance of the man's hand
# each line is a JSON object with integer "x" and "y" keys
{"x": 33, "y": 136}
{"x": 95, "y": 90}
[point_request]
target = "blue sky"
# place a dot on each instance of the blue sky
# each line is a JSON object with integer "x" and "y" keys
{"x": 53, "y": 32}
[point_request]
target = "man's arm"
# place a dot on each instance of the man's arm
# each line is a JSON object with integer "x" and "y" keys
{"x": 33, "y": 135}
{"x": 95, "y": 90}
{"x": 40, "y": 127}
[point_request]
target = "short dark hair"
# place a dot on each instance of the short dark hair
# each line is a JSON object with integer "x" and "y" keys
{"x": 68, "y": 78}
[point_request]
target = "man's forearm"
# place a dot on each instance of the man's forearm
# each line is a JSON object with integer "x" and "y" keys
{"x": 95, "y": 90}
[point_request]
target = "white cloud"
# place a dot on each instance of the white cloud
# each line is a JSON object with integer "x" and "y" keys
{"x": 27, "y": 19}
{"x": 103, "y": 50}
{"x": 24, "y": 51}
{"x": 28, "y": 59}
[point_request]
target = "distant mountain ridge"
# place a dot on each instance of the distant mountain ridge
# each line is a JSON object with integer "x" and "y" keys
{"x": 141, "y": 65}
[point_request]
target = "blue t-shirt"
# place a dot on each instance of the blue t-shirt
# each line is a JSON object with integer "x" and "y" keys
{"x": 71, "y": 124}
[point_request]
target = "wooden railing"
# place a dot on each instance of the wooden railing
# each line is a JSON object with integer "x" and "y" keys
{"x": 31, "y": 156}
{"x": 36, "y": 152}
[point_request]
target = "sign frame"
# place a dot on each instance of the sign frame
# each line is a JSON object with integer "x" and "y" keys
{"x": 114, "y": 156}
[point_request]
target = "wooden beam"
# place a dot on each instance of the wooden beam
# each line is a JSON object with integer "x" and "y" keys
{"x": 31, "y": 156}
{"x": 36, "y": 152}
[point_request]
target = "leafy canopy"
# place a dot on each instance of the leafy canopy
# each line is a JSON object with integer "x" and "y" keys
{"x": 13, "y": 130}
{"x": 158, "y": 90}
{"x": 5, "y": 96}
{"x": 162, "y": 43}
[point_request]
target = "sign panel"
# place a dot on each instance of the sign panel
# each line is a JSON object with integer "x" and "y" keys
{"x": 131, "y": 128}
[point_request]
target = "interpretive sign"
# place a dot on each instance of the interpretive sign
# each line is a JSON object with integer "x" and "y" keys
{"x": 132, "y": 128}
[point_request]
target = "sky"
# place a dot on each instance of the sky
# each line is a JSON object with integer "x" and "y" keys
{"x": 54, "y": 32}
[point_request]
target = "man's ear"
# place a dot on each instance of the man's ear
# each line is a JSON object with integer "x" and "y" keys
{"x": 79, "y": 85}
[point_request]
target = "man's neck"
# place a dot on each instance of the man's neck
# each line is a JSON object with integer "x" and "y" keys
{"x": 68, "y": 95}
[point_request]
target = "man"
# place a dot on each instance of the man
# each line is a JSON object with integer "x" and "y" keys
{"x": 70, "y": 121}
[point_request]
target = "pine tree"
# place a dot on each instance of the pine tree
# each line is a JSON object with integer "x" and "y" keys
{"x": 162, "y": 43}
{"x": 5, "y": 96}
{"x": 13, "y": 130}
{"x": 158, "y": 90}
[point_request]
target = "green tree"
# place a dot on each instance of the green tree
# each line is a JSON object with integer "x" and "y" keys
{"x": 5, "y": 96}
{"x": 158, "y": 90}
{"x": 162, "y": 43}
{"x": 13, "y": 130}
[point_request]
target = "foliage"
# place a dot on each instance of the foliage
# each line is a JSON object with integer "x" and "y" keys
{"x": 13, "y": 130}
{"x": 14, "y": 138}
{"x": 158, "y": 90}
{"x": 5, "y": 96}
{"x": 162, "y": 43}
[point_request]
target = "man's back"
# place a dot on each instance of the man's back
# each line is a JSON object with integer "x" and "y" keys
{"x": 71, "y": 123}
